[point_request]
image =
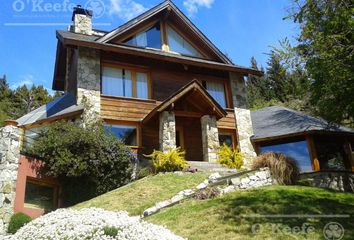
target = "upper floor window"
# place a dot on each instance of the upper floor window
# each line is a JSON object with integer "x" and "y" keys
{"x": 150, "y": 38}
{"x": 125, "y": 83}
{"x": 217, "y": 91}
{"x": 179, "y": 44}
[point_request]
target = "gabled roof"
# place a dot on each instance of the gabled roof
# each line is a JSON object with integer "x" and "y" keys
{"x": 168, "y": 6}
{"x": 276, "y": 121}
{"x": 192, "y": 91}
{"x": 62, "y": 106}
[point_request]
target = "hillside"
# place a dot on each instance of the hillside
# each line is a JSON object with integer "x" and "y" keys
{"x": 144, "y": 193}
{"x": 232, "y": 215}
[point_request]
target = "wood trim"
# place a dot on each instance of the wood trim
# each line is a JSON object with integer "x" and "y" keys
{"x": 187, "y": 114}
{"x": 45, "y": 183}
{"x": 313, "y": 153}
{"x": 133, "y": 73}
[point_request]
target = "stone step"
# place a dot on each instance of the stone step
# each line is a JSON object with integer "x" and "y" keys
{"x": 209, "y": 167}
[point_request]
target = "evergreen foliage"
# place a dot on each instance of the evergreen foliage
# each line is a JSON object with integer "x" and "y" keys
{"x": 230, "y": 158}
{"x": 172, "y": 160}
{"x": 17, "y": 221}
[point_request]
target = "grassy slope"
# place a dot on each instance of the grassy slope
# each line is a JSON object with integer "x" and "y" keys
{"x": 219, "y": 218}
{"x": 144, "y": 193}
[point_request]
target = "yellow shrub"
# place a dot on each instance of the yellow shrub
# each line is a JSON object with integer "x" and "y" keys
{"x": 170, "y": 161}
{"x": 230, "y": 158}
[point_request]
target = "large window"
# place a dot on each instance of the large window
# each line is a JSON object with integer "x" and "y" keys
{"x": 217, "y": 91}
{"x": 297, "y": 150}
{"x": 150, "y": 38}
{"x": 180, "y": 45}
{"x": 331, "y": 153}
{"x": 40, "y": 196}
{"x": 127, "y": 134}
{"x": 124, "y": 82}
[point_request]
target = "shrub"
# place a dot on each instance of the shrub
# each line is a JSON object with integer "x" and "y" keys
{"x": 17, "y": 221}
{"x": 230, "y": 158}
{"x": 110, "y": 231}
{"x": 144, "y": 172}
{"x": 172, "y": 160}
{"x": 87, "y": 160}
{"x": 282, "y": 167}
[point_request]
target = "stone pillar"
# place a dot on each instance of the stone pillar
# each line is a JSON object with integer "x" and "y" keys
{"x": 89, "y": 82}
{"x": 9, "y": 159}
{"x": 243, "y": 117}
{"x": 210, "y": 138}
{"x": 167, "y": 131}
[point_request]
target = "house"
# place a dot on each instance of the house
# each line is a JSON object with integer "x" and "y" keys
{"x": 158, "y": 82}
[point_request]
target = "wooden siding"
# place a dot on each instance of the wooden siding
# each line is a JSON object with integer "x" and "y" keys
{"x": 227, "y": 122}
{"x": 125, "y": 109}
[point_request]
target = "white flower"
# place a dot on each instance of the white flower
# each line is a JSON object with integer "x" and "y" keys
{"x": 88, "y": 223}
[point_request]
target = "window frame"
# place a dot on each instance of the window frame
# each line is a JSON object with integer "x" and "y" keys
{"x": 230, "y": 132}
{"x": 226, "y": 91}
{"x": 133, "y": 70}
{"x": 137, "y": 125}
{"x": 43, "y": 183}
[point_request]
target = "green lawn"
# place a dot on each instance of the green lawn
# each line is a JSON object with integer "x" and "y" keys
{"x": 225, "y": 217}
{"x": 144, "y": 193}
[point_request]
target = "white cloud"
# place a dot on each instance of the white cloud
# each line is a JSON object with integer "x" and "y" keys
{"x": 27, "y": 80}
{"x": 126, "y": 9}
{"x": 192, "y": 6}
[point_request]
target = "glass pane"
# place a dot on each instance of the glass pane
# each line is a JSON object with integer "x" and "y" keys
{"x": 180, "y": 45}
{"x": 296, "y": 150}
{"x": 217, "y": 91}
{"x": 225, "y": 139}
{"x": 128, "y": 84}
{"x": 141, "y": 85}
{"x": 331, "y": 154}
{"x": 127, "y": 134}
{"x": 112, "y": 81}
{"x": 150, "y": 38}
{"x": 39, "y": 196}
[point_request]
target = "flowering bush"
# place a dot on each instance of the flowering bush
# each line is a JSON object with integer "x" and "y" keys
{"x": 91, "y": 223}
{"x": 230, "y": 158}
{"x": 172, "y": 160}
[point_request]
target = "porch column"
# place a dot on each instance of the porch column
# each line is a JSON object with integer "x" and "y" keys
{"x": 210, "y": 138}
{"x": 167, "y": 131}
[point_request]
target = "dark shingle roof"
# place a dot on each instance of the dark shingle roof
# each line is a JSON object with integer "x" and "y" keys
{"x": 279, "y": 121}
{"x": 64, "y": 104}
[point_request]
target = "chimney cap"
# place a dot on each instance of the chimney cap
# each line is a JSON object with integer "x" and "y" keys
{"x": 79, "y": 10}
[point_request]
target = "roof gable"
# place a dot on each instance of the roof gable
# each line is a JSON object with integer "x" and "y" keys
{"x": 166, "y": 12}
{"x": 192, "y": 99}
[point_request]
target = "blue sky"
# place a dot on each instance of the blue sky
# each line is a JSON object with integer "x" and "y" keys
{"x": 241, "y": 28}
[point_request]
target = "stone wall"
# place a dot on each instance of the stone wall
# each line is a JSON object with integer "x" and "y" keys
{"x": 258, "y": 178}
{"x": 210, "y": 138}
{"x": 338, "y": 181}
{"x": 88, "y": 82}
{"x": 238, "y": 89}
{"x": 167, "y": 131}
{"x": 243, "y": 117}
{"x": 244, "y": 134}
{"x": 9, "y": 158}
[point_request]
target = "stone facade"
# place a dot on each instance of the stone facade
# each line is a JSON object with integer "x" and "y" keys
{"x": 244, "y": 133}
{"x": 210, "y": 138}
{"x": 338, "y": 181}
{"x": 88, "y": 82}
{"x": 238, "y": 89}
{"x": 9, "y": 158}
{"x": 83, "y": 24}
{"x": 243, "y": 117}
{"x": 167, "y": 131}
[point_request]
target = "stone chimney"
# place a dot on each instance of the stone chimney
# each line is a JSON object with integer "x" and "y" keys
{"x": 82, "y": 20}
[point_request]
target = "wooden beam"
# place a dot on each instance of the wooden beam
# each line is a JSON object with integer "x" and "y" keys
{"x": 349, "y": 151}
{"x": 313, "y": 153}
{"x": 188, "y": 114}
